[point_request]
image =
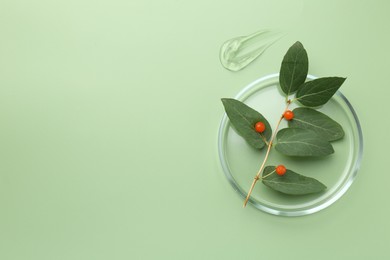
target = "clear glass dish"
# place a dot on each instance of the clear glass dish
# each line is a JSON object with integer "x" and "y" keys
{"x": 240, "y": 162}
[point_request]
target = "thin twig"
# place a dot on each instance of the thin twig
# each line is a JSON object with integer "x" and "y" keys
{"x": 257, "y": 177}
{"x": 268, "y": 174}
{"x": 264, "y": 139}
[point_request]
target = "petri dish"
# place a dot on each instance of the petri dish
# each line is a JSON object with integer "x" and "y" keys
{"x": 240, "y": 162}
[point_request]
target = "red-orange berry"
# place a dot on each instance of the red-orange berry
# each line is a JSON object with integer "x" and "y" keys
{"x": 280, "y": 170}
{"x": 260, "y": 127}
{"x": 288, "y": 115}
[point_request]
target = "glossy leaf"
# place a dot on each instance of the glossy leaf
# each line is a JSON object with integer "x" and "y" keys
{"x": 318, "y": 122}
{"x": 302, "y": 142}
{"x": 243, "y": 118}
{"x": 294, "y": 68}
{"x": 291, "y": 182}
{"x": 317, "y": 92}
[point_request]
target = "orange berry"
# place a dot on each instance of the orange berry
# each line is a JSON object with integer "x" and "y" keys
{"x": 288, "y": 115}
{"x": 280, "y": 170}
{"x": 260, "y": 127}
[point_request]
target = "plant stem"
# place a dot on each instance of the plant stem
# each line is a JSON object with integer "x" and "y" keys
{"x": 264, "y": 139}
{"x": 268, "y": 174}
{"x": 257, "y": 177}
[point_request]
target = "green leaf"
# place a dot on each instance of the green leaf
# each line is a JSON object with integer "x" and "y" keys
{"x": 291, "y": 182}
{"x": 318, "y": 122}
{"x": 293, "y": 71}
{"x": 243, "y": 118}
{"x": 317, "y": 92}
{"x": 302, "y": 142}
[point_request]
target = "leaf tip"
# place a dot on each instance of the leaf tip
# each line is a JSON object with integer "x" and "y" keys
{"x": 343, "y": 79}
{"x": 298, "y": 43}
{"x": 225, "y": 101}
{"x": 331, "y": 149}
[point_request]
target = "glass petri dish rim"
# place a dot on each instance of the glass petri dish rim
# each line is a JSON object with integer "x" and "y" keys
{"x": 299, "y": 212}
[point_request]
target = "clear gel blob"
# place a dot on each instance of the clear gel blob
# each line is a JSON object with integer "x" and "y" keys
{"x": 237, "y": 53}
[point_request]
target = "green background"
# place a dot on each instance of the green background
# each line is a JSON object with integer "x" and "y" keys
{"x": 109, "y": 114}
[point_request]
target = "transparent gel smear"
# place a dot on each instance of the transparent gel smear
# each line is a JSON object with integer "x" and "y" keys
{"x": 239, "y": 52}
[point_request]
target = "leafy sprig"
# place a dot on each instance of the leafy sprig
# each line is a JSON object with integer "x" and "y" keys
{"x": 309, "y": 131}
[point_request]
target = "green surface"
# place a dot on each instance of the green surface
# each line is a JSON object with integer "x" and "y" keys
{"x": 109, "y": 114}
